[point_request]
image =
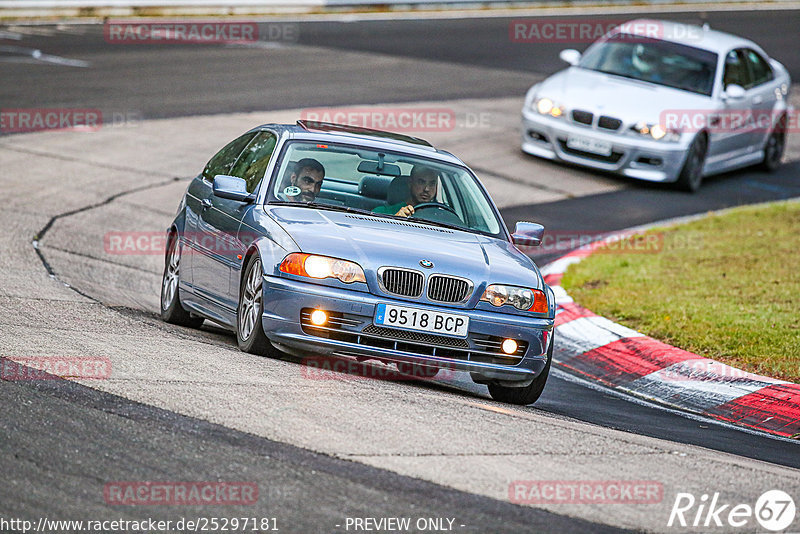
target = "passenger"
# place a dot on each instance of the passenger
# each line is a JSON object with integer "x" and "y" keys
{"x": 306, "y": 181}
{"x": 423, "y": 183}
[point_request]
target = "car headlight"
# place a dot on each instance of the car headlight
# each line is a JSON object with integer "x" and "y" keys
{"x": 521, "y": 298}
{"x": 545, "y": 106}
{"x": 657, "y": 131}
{"x": 321, "y": 267}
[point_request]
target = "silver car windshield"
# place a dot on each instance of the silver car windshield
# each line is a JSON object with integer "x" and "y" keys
{"x": 383, "y": 184}
{"x": 655, "y": 61}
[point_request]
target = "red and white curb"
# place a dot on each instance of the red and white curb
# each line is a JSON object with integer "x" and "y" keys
{"x": 594, "y": 347}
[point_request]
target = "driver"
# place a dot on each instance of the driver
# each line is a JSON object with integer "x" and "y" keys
{"x": 423, "y": 184}
{"x": 306, "y": 181}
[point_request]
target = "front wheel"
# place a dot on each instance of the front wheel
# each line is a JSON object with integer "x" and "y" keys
{"x": 691, "y": 175}
{"x": 775, "y": 147}
{"x": 171, "y": 309}
{"x": 524, "y": 395}
{"x": 249, "y": 330}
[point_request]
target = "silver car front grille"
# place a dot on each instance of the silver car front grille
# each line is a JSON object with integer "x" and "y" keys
{"x": 608, "y": 123}
{"x": 404, "y": 282}
{"x": 582, "y": 117}
{"x": 448, "y": 288}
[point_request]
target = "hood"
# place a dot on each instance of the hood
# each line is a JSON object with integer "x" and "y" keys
{"x": 375, "y": 242}
{"x": 629, "y": 100}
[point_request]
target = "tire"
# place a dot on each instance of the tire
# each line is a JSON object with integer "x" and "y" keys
{"x": 416, "y": 371}
{"x": 691, "y": 175}
{"x": 171, "y": 309}
{"x": 775, "y": 147}
{"x": 250, "y": 334}
{"x": 524, "y": 395}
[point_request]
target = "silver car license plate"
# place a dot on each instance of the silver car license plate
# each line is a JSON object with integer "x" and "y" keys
{"x": 585, "y": 144}
{"x": 421, "y": 320}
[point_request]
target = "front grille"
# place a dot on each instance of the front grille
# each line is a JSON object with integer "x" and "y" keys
{"x": 345, "y": 327}
{"x": 419, "y": 337}
{"x": 608, "y": 123}
{"x": 614, "y": 157}
{"x": 448, "y": 288}
{"x": 402, "y": 282}
{"x": 582, "y": 117}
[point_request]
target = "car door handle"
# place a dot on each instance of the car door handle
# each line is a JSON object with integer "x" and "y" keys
{"x": 205, "y": 203}
{"x": 758, "y": 99}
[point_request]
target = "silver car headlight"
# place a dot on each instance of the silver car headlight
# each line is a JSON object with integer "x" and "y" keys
{"x": 657, "y": 132}
{"x": 545, "y": 106}
{"x": 521, "y": 298}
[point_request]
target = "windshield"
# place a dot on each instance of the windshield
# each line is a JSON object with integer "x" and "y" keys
{"x": 384, "y": 184}
{"x": 651, "y": 60}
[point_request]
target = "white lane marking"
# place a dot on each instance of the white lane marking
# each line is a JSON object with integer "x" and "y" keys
{"x": 256, "y": 44}
{"x": 73, "y": 29}
{"x": 13, "y": 36}
{"x": 650, "y": 403}
{"x": 26, "y": 54}
{"x": 32, "y": 30}
{"x": 696, "y": 395}
{"x": 588, "y": 333}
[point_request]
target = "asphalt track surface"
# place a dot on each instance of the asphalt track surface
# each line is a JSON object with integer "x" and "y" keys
{"x": 170, "y": 81}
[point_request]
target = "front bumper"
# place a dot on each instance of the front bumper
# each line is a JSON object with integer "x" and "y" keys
{"x": 651, "y": 160}
{"x": 351, "y": 332}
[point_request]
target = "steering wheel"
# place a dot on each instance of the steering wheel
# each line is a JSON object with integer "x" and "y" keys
{"x": 428, "y": 205}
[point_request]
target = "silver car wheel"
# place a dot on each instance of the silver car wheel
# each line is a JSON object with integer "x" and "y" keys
{"x": 250, "y": 308}
{"x": 169, "y": 285}
{"x": 774, "y": 150}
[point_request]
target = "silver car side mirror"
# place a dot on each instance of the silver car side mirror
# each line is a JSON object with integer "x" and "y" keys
{"x": 528, "y": 234}
{"x": 734, "y": 92}
{"x": 231, "y": 187}
{"x": 570, "y": 56}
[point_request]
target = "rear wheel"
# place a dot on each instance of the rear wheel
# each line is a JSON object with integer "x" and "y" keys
{"x": 249, "y": 330}
{"x": 171, "y": 309}
{"x": 524, "y": 395}
{"x": 775, "y": 147}
{"x": 691, "y": 175}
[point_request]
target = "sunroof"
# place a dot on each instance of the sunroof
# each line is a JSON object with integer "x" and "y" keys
{"x": 316, "y": 126}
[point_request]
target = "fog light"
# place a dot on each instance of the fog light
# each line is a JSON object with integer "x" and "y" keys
{"x": 319, "y": 317}
{"x": 509, "y": 346}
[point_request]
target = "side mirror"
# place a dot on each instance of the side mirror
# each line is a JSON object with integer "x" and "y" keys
{"x": 570, "y": 56}
{"x": 528, "y": 234}
{"x": 734, "y": 92}
{"x": 231, "y": 187}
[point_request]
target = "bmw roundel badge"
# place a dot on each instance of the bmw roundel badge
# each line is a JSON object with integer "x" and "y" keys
{"x": 428, "y": 264}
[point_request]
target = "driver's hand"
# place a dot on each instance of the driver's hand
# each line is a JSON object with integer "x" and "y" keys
{"x": 406, "y": 211}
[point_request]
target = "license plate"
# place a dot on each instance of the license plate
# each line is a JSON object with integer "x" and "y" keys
{"x": 421, "y": 320}
{"x": 585, "y": 144}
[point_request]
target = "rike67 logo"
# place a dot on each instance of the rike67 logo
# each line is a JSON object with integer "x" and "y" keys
{"x": 774, "y": 510}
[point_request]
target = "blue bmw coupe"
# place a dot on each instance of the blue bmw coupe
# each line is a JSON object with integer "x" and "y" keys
{"x": 330, "y": 240}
